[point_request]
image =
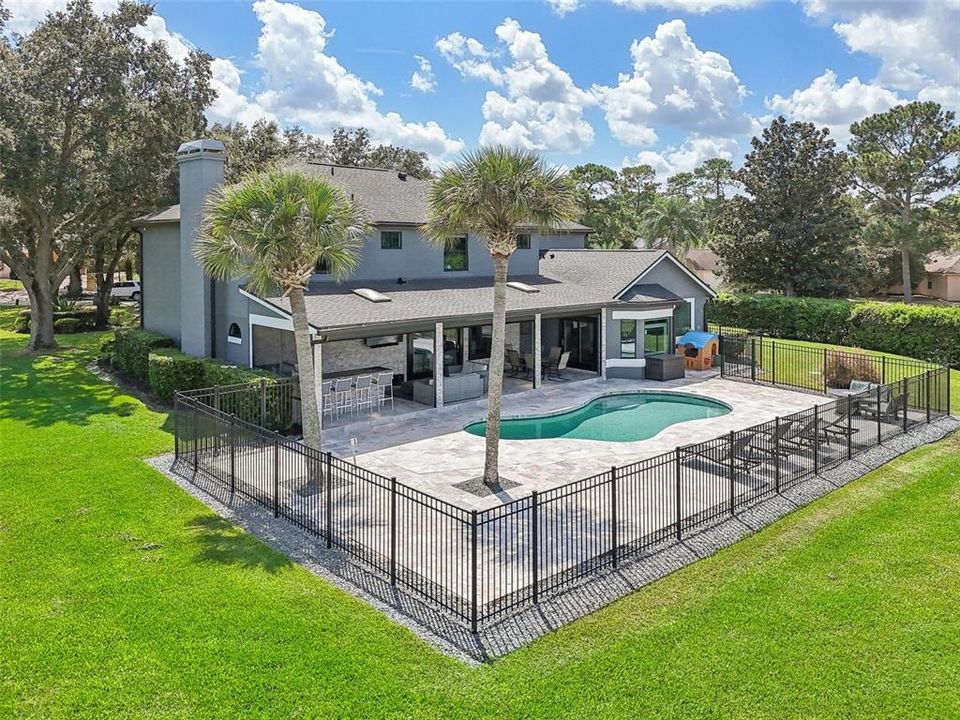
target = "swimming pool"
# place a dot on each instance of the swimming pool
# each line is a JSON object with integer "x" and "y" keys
{"x": 626, "y": 417}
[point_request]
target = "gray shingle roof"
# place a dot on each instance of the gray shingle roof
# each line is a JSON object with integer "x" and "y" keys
{"x": 389, "y": 197}
{"x": 944, "y": 263}
{"x": 569, "y": 279}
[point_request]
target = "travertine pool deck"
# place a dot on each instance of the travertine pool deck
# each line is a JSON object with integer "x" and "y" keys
{"x": 430, "y": 451}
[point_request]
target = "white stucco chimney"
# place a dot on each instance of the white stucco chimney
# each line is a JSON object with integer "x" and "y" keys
{"x": 201, "y": 171}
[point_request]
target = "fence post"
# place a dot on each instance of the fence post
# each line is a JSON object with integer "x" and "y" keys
{"x": 849, "y": 411}
{"x": 233, "y": 459}
{"x": 176, "y": 427}
{"x": 723, "y": 353}
{"x": 883, "y": 369}
{"x": 677, "y": 478}
{"x": 906, "y": 401}
{"x": 393, "y": 531}
{"x": 733, "y": 469}
{"x": 329, "y": 474}
{"x": 823, "y": 372}
{"x": 473, "y": 571}
{"x": 879, "y": 425}
{"x": 613, "y": 514}
{"x": 535, "y": 545}
{"x": 263, "y": 402}
{"x": 816, "y": 439}
{"x": 753, "y": 359}
{"x": 216, "y": 406}
{"x": 776, "y": 455}
{"x": 773, "y": 361}
{"x": 276, "y": 477}
{"x": 926, "y": 384}
{"x": 196, "y": 439}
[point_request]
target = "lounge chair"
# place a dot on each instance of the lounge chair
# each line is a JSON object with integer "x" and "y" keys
{"x": 888, "y": 408}
{"x": 550, "y": 362}
{"x": 841, "y": 425}
{"x": 736, "y": 450}
{"x": 514, "y": 364}
{"x": 561, "y": 366}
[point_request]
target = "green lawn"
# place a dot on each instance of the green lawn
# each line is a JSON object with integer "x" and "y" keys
{"x": 8, "y": 284}
{"x": 121, "y": 596}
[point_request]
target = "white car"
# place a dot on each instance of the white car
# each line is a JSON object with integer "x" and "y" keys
{"x": 129, "y": 289}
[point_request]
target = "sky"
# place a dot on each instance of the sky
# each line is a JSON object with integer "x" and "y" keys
{"x": 669, "y": 83}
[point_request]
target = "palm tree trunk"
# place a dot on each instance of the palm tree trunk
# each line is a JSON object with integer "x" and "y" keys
{"x": 308, "y": 393}
{"x": 491, "y": 462}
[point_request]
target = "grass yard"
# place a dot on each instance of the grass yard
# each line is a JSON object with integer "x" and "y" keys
{"x": 121, "y": 596}
{"x": 6, "y": 284}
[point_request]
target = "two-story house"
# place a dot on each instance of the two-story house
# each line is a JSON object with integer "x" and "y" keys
{"x": 419, "y": 310}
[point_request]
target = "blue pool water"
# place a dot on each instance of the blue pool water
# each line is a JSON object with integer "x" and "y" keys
{"x": 614, "y": 418}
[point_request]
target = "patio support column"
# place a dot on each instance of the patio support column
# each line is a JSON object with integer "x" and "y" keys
{"x": 537, "y": 352}
{"x": 318, "y": 375}
{"x": 438, "y": 364}
{"x": 603, "y": 344}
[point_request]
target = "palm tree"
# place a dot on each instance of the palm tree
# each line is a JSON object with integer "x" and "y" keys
{"x": 490, "y": 192}
{"x": 674, "y": 221}
{"x": 272, "y": 229}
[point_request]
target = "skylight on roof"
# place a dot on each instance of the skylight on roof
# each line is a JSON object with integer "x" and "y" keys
{"x": 522, "y": 287}
{"x": 371, "y": 295}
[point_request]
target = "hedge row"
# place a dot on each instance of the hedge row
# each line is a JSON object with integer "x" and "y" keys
{"x": 64, "y": 321}
{"x": 926, "y": 332}
{"x": 151, "y": 359}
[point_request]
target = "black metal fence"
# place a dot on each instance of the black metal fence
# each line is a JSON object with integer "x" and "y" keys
{"x": 481, "y": 564}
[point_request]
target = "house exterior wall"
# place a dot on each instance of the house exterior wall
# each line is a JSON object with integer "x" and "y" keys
{"x": 160, "y": 283}
{"x": 675, "y": 280}
{"x": 937, "y": 285}
{"x": 418, "y": 259}
{"x": 349, "y": 354}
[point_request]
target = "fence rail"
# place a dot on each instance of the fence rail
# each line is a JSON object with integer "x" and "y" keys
{"x": 481, "y": 564}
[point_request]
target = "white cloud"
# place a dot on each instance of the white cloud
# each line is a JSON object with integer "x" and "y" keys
{"x": 824, "y": 102}
{"x": 562, "y": 7}
{"x": 422, "y": 78}
{"x": 674, "y": 83}
{"x": 687, "y": 156}
{"x": 303, "y": 83}
{"x": 917, "y": 43}
{"x": 540, "y": 108}
{"x": 689, "y": 6}
{"x": 26, "y": 14}
{"x": 469, "y": 57}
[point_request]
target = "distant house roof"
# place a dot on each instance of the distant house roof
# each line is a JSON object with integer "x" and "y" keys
{"x": 388, "y": 196}
{"x": 701, "y": 259}
{"x": 167, "y": 215}
{"x": 568, "y": 279}
{"x": 944, "y": 263}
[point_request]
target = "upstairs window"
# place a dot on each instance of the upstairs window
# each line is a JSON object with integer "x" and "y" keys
{"x": 455, "y": 254}
{"x": 523, "y": 241}
{"x": 391, "y": 240}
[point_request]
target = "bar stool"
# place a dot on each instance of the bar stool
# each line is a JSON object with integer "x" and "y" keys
{"x": 362, "y": 395}
{"x": 343, "y": 395}
{"x": 384, "y": 389}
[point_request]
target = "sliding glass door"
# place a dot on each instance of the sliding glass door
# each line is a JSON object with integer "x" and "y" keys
{"x": 580, "y": 339}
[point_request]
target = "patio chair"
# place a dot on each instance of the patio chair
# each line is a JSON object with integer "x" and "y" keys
{"x": 343, "y": 395}
{"x": 737, "y": 451}
{"x": 363, "y": 395}
{"x": 514, "y": 365}
{"x": 888, "y": 409}
{"x": 551, "y": 360}
{"x": 841, "y": 425}
{"x": 781, "y": 435}
{"x": 384, "y": 386}
{"x": 561, "y": 366}
{"x": 806, "y": 434}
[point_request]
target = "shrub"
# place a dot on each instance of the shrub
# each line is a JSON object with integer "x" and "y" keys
{"x": 926, "y": 332}
{"x": 68, "y": 325}
{"x": 105, "y": 347}
{"x": 85, "y": 315}
{"x": 841, "y": 368}
{"x": 170, "y": 371}
{"x": 131, "y": 351}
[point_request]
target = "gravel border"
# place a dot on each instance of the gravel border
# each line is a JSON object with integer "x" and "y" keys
{"x": 519, "y": 628}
